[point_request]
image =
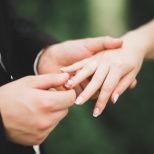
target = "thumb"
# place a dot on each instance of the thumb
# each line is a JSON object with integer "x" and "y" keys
{"x": 48, "y": 80}
{"x": 95, "y": 45}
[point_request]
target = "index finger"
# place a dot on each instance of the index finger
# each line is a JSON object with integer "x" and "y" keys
{"x": 82, "y": 74}
{"x": 57, "y": 100}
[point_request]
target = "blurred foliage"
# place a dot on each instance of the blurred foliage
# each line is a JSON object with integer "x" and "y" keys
{"x": 127, "y": 127}
{"x": 108, "y": 17}
{"x": 140, "y": 12}
{"x": 63, "y": 19}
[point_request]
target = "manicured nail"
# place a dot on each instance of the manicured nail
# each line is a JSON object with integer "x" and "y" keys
{"x": 96, "y": 112}
{"x": 115, "y": 98}
{"x": 69, "y": 84}
{"x": 79, "y": 100}
{"x": 62, "y": 69}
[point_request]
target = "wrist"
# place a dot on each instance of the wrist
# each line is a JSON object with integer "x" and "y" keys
{"x": 137, "y": 42}
{"x": 142, "y": 39}
{"x": 47, "y": 62}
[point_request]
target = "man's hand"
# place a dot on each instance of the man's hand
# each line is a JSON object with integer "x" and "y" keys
{"x": 69, "y": 52}
{"x": 29, "y": 111}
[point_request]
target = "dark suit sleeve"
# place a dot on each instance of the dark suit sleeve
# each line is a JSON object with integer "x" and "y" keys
{"x": 28, "y": 40}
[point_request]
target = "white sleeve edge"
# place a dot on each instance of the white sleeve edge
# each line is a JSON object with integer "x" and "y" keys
{"x": 36, "y": 62}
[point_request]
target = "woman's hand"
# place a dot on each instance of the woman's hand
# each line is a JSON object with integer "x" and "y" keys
{"x": 69, "y": 52}
{"x": 113, "y": 72}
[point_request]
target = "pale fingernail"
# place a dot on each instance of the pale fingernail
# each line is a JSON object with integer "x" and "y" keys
{"x": 115, "y": 98}
{"x": 69, "y": 84}
{"x": 62, "y": 69}
{"x": 79, "y": 100}
{"x": 96, "y": 112}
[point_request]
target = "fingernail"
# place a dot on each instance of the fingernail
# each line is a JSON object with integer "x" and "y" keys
{"x": 62, "y": 69}
{"x": 79, "y": 100}
{"x": 69, "y": 84}
{"x": 96, "y": 112}
{"x": 115, "y": 98}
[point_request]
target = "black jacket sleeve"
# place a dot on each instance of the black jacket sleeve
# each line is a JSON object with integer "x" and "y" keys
{"x": 20, "y": 42}
{"x": 7, "y": 147}
{"x": 28, "y": 41}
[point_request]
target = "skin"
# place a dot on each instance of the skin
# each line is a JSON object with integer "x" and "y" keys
{"x": 114, "y": 70}
{"x": 32, "y": 107}
{"x": 69, "y": 52}
{"x": 31, "y": 112}
{"x": 42, "y": 109}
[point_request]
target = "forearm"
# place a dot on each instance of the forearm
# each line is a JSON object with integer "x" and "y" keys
{"x": 142, "y": 39}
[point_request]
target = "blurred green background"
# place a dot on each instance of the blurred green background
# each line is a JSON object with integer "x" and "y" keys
{"x": 128, "y": 126}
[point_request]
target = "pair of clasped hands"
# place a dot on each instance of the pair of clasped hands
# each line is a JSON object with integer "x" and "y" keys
{"x": 99, "y": 68}
{"x": 104, "y": 74}
{"x": 72, "y": 71}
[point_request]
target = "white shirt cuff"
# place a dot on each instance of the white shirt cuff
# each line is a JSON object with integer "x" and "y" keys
{"x": 36, "y": 62}
{"x": 36, "y": 149}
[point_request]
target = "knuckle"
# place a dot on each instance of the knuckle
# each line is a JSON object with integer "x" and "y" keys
{"x": 102, "y": 106}
{"x": 90, "y": 67}
{"x": 119, "y": 91}
{"x": 121, "y": 88}
{"x": 39, "y": 138}
{"x": 45, "y": 105}
{"x": 44, "y": 124}
{"x": 121, "y": 65}
{"x": 100, "y": 100}
{"x": 96, "y": 79}
{"x": 118, "y": 64}
{"x": 101, "y": 103}
{"x": 106, "y": 89}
